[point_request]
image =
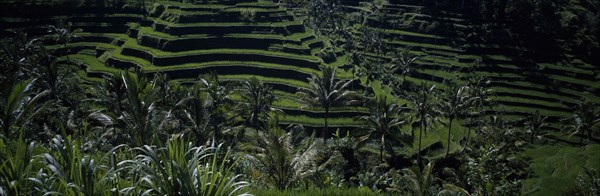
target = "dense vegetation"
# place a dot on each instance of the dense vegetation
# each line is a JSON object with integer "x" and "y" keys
{"x": 317, "y": 97}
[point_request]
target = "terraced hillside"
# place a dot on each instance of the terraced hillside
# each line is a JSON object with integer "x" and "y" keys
{"x": 237, "y": 39}
{"x": 524, "y": 78}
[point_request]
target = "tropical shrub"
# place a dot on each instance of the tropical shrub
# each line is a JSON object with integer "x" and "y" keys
{"x": 182, "y": 169}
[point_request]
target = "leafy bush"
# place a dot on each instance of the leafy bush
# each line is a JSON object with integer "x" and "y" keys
{"x": 589, "y": 182}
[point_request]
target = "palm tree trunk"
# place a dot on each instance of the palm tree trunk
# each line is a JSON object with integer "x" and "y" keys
{"x": 324, "y": 134}
{"x": 468, "y": 134}
{"x": 449, "y": 130}
{"x": 215, "y": 132}
{"x": 382, "y": 146}
{"x": 590, "y": 135}
{"x": 419, "y": 152}
{"x": 67, "y": 52}
{"x": 254, "y": 122}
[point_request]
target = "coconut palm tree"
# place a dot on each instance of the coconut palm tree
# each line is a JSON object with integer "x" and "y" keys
{"x": 327, "y": 92}
{"x": 63, "y": 34}
{"x": 455, "y": 104}
{"x": 257, "y": 102}
{"x": 585, "y": 118}
{"x": 284, "y": 158}
{"x": 425, "y": 109}
{"x": 535, "y": 125}
{"x": 194, "y": 107}
{"x": 217, "y": 97}
{"x": 383, "y": 121}
{"x": 404, "y": 61}
{"x": 480, "y": 96}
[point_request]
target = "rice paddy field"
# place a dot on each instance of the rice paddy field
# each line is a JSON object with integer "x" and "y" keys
{"x": 389, "y": 50}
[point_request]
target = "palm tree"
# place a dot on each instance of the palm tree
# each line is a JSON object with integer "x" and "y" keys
{"x": 454, "y": 105}
{"x": 257, "y": 101}
{"x": 425, "y": 108}
{"x": 218, "y": 99}
{"x": 63, "y": 34}
{"x": 284, "y": 157}
{"x": 535, "y": 125}
{"x": 112, "y": 92}
{"x": 195, "y": 109}
{"x": 383, "y": 121}
{"x": 585, "y": 118}
{"x": 327, "y": 92}
{"x": 480, "y": 96}
{"x": 141, "y": 98}
{"x": 403, "y": 61}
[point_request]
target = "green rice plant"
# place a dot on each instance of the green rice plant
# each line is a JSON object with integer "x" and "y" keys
{"x": 181, "y": 169}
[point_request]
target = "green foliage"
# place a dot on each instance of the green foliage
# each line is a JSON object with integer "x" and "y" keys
{"x": 420, "y": 180}
{"x": 20, "y": 105}
{"x": 425, "y": 110}
{"x": 490, "y": 171}
{"x": 17, "y": 166}
{"x": 284, "y": 159}
{"x": 455, "y": 104}
{"x": 536, "y": 124}
{"x": 584, "y": 120}
{"x": 384, "y": 121}
{"x": 589, "y": 182}
{"x": 556, "y": 167}
{"x": 70, "y": 171}
{"x": 315, "y": 191}
{"x": 180, "y": 168}
{"x": 327, "y": 91}
{"x": 217, "y": 99}
{"x": 257, "y": 102}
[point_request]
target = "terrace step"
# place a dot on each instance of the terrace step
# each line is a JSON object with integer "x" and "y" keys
{"x": 283, "y": 28}
{"x": 168, "y": 59}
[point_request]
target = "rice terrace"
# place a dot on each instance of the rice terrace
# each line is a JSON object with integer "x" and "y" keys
{"x": 299, "y": 97}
